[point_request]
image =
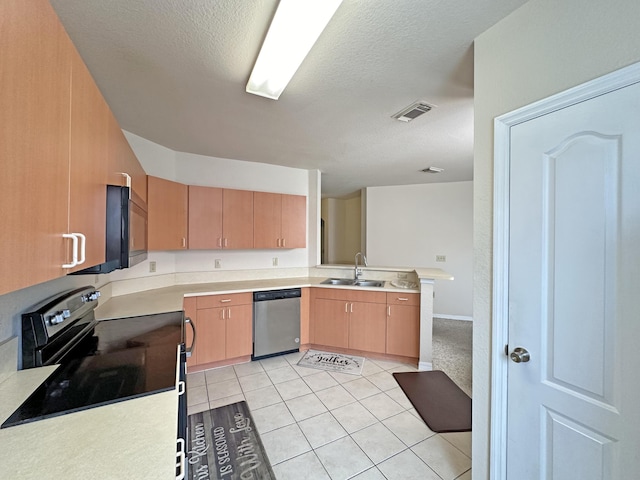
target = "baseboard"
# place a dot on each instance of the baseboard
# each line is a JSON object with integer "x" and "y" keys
{"x": 424, "y": 366}
{"x": 454, "y": 317}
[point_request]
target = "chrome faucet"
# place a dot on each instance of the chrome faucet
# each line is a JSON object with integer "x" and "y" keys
{"x": 358, "y": 271}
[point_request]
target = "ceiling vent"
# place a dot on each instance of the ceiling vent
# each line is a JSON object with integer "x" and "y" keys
{"x": 412, "y": 111}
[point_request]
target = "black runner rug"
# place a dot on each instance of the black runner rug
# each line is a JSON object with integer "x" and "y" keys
{"x": 225, "y": 445}
{"x": 440, "y": 402}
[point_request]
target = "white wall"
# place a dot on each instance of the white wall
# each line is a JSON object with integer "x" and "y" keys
{"x": 541, "y": 49}
{"x": 201, "y": 170}
{"x": 409, "y": 225}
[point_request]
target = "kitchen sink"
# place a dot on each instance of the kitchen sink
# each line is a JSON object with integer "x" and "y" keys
{"x": 369, "y": 283}
{"x": 355, "y": 283}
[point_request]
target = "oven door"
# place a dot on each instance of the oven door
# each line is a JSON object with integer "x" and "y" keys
{"x": 183, "y": 427}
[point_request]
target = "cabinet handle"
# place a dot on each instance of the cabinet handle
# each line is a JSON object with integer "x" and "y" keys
{"x": 220, "y": 242}
{"x": 83, "y": 247}
{"x": 226, "y": 242}
{"x": 284, "y": 242}
{"x": 346, "y": 308}
{"x": 401, "y": 299}
{"x": 127, "y": 180}
{"x": 74, "y": 255}
{"x": 229, "y": 317}
{"x": 278, "y": 242}
{"x": 184, "y": 242}
{"x": 351, "y": 308}
{"x": 225, "y": 300}
{"x": 223, "y": 317}
{"x": 193, "y": 341}
{"x": 388, "y": 310}
{"x": 180, "y": 456}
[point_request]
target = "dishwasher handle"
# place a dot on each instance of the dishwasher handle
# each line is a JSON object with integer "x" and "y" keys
{"x": 190, "y": 348}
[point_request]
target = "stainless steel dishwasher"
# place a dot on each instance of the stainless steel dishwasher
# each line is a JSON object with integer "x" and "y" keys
{"x": 276, "y": 322}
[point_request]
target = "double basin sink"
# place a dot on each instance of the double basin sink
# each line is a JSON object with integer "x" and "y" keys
{"x": 353, "y": 283}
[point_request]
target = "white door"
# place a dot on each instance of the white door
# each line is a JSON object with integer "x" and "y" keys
{"x": 573, "y": 410}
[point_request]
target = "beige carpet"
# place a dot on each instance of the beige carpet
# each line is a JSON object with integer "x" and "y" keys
{"x": 452, "y": 348}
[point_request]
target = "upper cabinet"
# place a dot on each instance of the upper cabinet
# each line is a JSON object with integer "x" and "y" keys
{"x": 124, "y": 167}
{"x": 168, "y": 206}
{"x": 280, "y": 221}
{"x": 88, "y": 165}
{"x": 220, "y": 218}
{"x": 34, "y": 143}
{"x": 53, "y": 137}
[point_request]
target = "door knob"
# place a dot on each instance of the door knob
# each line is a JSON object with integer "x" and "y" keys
{"x": 520, "y": 355}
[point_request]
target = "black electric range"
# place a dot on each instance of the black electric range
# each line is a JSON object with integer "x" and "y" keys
{"x": 101, "y": 362}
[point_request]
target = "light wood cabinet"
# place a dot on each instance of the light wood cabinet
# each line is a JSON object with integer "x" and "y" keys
{"x": 122, "y": 160}
{"x": 34, "y": 143}
{"x": 280, "y": 221}
{"x": 205, "y": 217}
{"x": 53, "y": 144}
{"x": 403, "y": 324}
{"x": 88, "y": 164}
{"x": 168, "y": 205}
{"x": 354, "y": 319}
{"x": 237, "y": 219}
{"x": 224, "y": 325}
{"x": 220, "y": 218}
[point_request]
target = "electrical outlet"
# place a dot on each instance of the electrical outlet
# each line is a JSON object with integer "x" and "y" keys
{"x": 402, "y": 276}
{"x": 152, "y": 266}
{"x": 218, "y": 263}
{"x": 441, "y": 258}
{"x": 275, "y": 261}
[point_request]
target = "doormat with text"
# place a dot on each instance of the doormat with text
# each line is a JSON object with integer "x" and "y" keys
{"x": 333, "y": 362}
{"x": 225, "y": 445}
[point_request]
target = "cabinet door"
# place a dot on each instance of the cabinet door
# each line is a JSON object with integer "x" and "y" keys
{"x": 294, "y": 221}
{"x": 367, "y": 327}
{"x": 205, "y": 217}
{"x": 239, "y": 335}
{"x": 168, "y": 203}
{"x": 116, "y": 164}
{"x": 191, "y": 312}
{"x": 211, "y": 326}
{"x": 267, "y": 220}
{"x": 331, "y": 323}
{"x": 237, "y": 219}
{"x": 403, "y": 330}
{"x": 88, "y": 163}
{"x": 35, "y": 66}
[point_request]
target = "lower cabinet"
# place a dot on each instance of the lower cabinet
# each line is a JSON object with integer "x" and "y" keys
{"x": 224, "y": 325}
{"x": 352, "y": 319}
{"x": 403, "y": 324}
{"x": 368, "y": 321}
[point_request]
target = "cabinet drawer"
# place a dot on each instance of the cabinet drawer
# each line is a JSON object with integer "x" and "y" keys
{"x": 400, "y": 298}
{"x": 213, "y": 301}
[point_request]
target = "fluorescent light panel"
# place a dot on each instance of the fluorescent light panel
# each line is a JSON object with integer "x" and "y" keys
{"x": 295, "y": 28}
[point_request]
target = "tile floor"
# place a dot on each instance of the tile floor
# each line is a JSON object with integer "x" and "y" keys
{"x": 319, "y": 425}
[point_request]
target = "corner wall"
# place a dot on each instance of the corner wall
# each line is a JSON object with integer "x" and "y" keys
{"x": 409, "y": 225}
{"x": 541, "y": 49}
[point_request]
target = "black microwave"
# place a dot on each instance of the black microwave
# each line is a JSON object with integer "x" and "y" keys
{"x": 126, "y": 232}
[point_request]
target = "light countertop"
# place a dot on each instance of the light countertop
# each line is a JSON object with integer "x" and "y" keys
{"x": 169, "y": 299}
{"x": 129, "y": 439}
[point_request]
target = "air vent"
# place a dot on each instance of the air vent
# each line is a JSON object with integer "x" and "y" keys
{"x": 412, "y": 111}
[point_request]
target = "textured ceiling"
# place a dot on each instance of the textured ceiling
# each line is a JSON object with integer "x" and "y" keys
{"x": 175, "y": 72}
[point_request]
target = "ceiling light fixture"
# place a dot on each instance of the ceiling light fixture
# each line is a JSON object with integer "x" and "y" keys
{"x": 294, "y": 30}
{"x": 432, "y": 170}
